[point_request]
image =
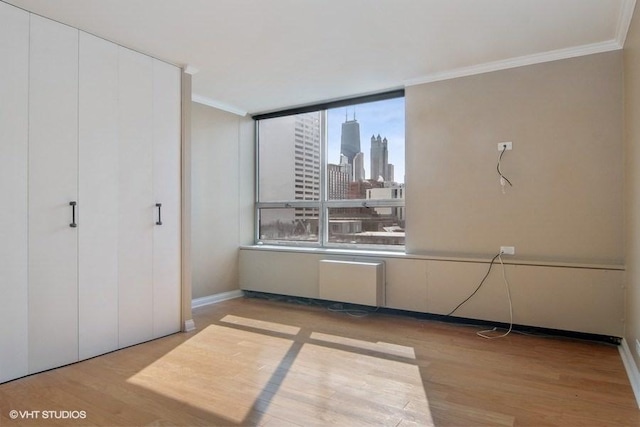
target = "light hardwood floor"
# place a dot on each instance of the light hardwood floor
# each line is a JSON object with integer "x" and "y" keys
{"x": 257, "y": 362}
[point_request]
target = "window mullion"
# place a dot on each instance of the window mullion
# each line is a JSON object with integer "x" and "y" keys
{"x": 323, "y": 216}
{"x": 364, "y": 203}
{"x": 256, "y": 184}
{"x": 289, "y": 204}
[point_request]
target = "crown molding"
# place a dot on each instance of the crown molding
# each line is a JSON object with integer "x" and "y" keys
{"x": 520, "y": 61}
{"x": 624, "y": 21}
{"x": 216, "y": 104}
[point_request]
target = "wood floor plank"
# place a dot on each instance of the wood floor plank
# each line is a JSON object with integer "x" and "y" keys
{"x": 254, "y": 362}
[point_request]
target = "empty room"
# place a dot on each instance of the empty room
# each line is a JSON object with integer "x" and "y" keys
{"x": 311, "y": 213}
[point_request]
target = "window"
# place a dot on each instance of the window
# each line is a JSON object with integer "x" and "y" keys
{"x": 333, "y": 176}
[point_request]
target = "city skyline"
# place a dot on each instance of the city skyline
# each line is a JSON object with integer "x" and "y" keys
{"x": 385, "y": 118}
{"x": 290, "y": 169}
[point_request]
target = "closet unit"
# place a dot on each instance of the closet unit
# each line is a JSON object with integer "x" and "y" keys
{"x": 53, "y": 187}
{"x": 90, "y": 183}
{"x": 135, "y": 230}
{"x": 98, "y": 212}
{"x": 14, "y": 128}
{"x": 167, "y": 193}
{"x": 149, "y": 187}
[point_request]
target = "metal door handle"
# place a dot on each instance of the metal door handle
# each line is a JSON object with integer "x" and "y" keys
{"x": 73, "y": 215}
{"x": 159, "y": 206}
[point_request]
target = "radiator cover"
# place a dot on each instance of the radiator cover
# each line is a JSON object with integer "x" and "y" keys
{"x": 357, "y": 282}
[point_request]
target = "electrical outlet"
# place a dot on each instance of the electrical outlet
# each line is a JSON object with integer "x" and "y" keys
{"x": 507, "y": 250}
{"x": 638, "y": 348}
{"x": 505, "y": 146}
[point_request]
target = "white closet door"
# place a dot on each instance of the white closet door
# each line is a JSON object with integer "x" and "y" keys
{"x": 166, "y": 186}
{"x": 136, "y": 205}
{"x": 53, "y": 184}
{"x": 14, "y": 80}
{"x": 98, "y": 181}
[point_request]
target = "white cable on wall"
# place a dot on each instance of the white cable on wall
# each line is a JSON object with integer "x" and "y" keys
{"x": 483, "y": 334}
{"x": 503, "y": 179}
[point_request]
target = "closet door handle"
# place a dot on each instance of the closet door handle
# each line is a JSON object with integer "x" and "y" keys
{"x": 159, "y": 206}
{"x": 73, "y": 215}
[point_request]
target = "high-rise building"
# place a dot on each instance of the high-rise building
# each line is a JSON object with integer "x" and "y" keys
{"x": 291, "y": 153}
{"x": 338, "y": 181}
{"x": 308, "y": 138}
{"x": 390, "y": 176}
{"x": 358, "y": 167}
{"x": 346, "y": 167}
{"x": 379, "y": 158}
{"x": 350, "y": 138}
{"x": 385, "y": 159}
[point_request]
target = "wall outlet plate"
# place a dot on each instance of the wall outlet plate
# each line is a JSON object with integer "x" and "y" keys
{"x": 507, "y": 250}
{"x": 502, "y": 145}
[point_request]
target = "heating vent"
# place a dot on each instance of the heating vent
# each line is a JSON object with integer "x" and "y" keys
{"x": 357, "y": 282}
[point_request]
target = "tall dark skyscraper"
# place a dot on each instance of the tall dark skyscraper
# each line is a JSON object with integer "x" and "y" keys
{"x": 350, "y": 138}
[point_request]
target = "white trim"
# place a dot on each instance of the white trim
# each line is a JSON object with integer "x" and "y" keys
{"x": 400, "y": 253}
{"x": 520, "y": 61}
{"x": 189, "y": 325}
{"x": 190, "y": 69}
{"x": 631, "y": 367}
{"x": 216, "y": 104}
{"x": 213, "y": 299}
{"x": 624, "y": 21}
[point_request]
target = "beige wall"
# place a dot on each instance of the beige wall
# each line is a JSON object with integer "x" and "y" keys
{"x": 565, "y": 121}
{"x": 564, "y": 215}
{"x": 222, "y": 197}
{"x": 632, "y": 155}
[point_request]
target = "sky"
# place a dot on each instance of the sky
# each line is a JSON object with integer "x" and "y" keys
{"x": 382, "y": 117}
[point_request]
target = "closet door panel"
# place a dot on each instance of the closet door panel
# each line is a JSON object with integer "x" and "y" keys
{"x": 166, "y": 173}
{"x": 14, "y": 79}
{"x": 53, "y": 184}
{"x": 98, "y": 190}
{"x": 136, "y": 204}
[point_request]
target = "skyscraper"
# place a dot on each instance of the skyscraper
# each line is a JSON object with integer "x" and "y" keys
{"x": 358, "y": 167}
{"x": 338, "y": 182}
{"x": 390, "y": 172}
{"x": 346, "y": 167}
{"x": 379, "y": 158}
{"x": 291, "y": 155}
{"x": 350, "y": 138}
{"x": 307, "y": 137}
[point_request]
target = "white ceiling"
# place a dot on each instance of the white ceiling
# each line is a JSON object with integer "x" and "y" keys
{"x": 263, "y": 55}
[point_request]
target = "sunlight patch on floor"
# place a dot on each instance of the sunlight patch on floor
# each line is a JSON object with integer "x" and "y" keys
{"x": 320, "y": 384}
{"x": 261, "y": 324}
{"x": 241, "y": 375}
{"x": 382, "y": 347}
{"x": 221, "y": 370}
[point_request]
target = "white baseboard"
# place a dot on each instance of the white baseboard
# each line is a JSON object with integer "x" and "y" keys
{"x": 189, "y": 325}
{"x": 212, "y": 299}
{"x": 631, "y": 367}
